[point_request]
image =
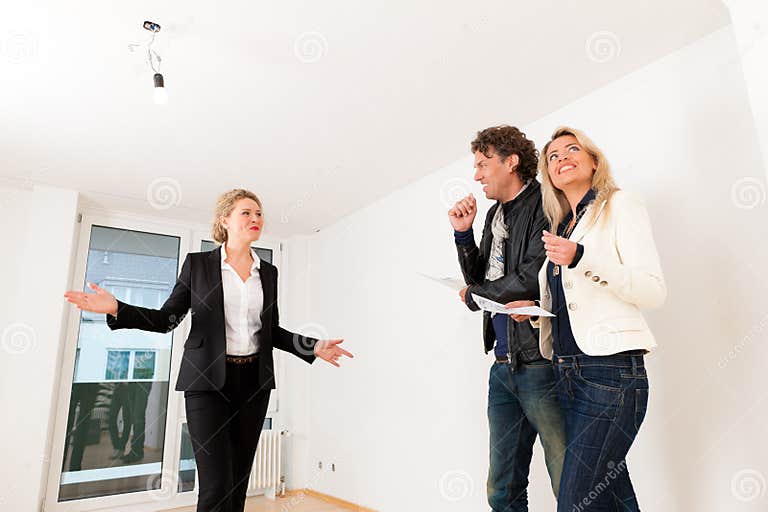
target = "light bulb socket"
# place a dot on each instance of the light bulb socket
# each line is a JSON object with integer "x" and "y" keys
{"x": 159, "y": 82}
{"x": 151, "y": 26}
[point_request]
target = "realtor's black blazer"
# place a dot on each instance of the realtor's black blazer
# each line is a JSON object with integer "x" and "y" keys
{"x": 203, "y": 365}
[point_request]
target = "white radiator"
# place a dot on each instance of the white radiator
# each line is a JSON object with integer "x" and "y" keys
{"x": 267, "y": 471}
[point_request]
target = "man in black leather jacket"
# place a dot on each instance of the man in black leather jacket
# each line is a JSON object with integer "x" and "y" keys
{"x": 522, "y": 401}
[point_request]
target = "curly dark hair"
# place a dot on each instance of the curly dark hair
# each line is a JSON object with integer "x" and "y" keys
{"x": 505, "y": 141}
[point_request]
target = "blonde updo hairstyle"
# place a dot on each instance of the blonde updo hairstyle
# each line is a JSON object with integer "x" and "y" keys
{"x": 224, "y": 206}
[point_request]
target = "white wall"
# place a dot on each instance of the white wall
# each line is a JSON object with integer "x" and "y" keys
{"x": 38, "y": 226}
{"x": 293, "y": 373}
{"x": 405, "y": 421}
{"x": 750, "y": 21}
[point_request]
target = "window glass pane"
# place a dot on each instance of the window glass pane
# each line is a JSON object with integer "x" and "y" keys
{"x": 187, "y": 465}
{"x": 207, "y": 245}
{"x": 144, "y": 365}
{"x": 117, "y": 411}
{"x": 117, "y": 365}
{"x": 264, "y": 254}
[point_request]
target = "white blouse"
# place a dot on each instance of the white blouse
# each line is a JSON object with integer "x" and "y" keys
{"x": 243, "y": 302}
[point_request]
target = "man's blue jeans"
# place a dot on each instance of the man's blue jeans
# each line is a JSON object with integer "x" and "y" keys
{"x": 604, "y": 400}
{"x": 521, "y": 404}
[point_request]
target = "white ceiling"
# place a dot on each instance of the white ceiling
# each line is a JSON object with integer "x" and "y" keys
{"x": 319, "y": 107}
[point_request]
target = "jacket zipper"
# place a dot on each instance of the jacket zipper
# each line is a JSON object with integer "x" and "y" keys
{"x": 506, "y": 272}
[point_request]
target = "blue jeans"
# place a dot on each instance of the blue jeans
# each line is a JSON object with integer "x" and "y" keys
{"x": 604, "y": 399}
{"x": 521, "y": 404}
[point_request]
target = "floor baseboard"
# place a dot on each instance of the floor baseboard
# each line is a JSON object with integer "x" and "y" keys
{"x": 330, "y": 499}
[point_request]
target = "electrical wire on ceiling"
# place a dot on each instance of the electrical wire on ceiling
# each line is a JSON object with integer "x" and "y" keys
{"x": 154, "y": 60}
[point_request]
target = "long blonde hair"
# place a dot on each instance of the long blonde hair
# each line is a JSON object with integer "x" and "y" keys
{"x": 554, "y": 202}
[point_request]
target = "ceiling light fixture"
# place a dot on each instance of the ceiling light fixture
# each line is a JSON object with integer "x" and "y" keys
{"x": 160, "y": 94}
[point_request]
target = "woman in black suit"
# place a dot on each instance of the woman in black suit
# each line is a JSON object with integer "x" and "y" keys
{"x": 226, "y": 371}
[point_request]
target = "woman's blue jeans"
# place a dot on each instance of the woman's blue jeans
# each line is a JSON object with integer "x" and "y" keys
{"x": 604, "y": 400}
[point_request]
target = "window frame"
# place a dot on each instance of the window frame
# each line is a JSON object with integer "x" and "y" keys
{"x": 127, "y": 500}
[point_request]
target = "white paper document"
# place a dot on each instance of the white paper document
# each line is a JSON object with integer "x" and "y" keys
{"x": 451, "y": 282}
{"x": 495, "y": 307}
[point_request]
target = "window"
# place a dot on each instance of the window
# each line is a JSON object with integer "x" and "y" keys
{"x": 122, "y": 363}
{"x": 117, "y": 365}
{"x": 144, "y": 365}
{"x": 115, "y": 430}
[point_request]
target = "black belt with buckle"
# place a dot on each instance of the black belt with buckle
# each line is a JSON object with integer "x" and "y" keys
{"x": 242, "y": 359}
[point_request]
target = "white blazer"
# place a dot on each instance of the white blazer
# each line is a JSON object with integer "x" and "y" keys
{"x": 618, "y": 275}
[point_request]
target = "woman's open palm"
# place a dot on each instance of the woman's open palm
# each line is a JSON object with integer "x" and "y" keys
{"x": 328, "y": 350}
{"x": 100, "y": 302}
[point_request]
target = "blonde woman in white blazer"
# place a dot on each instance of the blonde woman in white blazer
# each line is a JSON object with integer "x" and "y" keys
{"x": 601, "y": 270}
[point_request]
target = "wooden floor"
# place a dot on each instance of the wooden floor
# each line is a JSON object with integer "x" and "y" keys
{"x": 295, "y": 503}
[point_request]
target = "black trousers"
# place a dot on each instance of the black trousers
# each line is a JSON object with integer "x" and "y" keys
{"x": 120, "y": 401}
{"x": 224, "y": 427}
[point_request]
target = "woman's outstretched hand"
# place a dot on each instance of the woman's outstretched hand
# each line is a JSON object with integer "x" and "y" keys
{"x": 328, "y": 350}
{"x": 100, "y": 302}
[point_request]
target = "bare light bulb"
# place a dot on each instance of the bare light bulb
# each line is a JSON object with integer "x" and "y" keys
{"x": 160, "y": 94}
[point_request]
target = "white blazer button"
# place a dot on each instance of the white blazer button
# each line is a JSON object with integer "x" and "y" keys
{"x": 568, "y": 285}
{"x": 596, "y": 278}
{"x": 603, "y": 283}
{"x": 588, "y": 273}
{"x": 572, "y": 306}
